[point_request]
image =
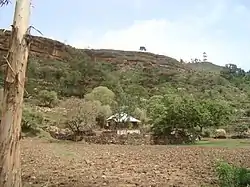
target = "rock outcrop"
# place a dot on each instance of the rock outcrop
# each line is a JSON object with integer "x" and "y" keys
{"x": 40, "y": 47}
{"x": 44, "y": 48}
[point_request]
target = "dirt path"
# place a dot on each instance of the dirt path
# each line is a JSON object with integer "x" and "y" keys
{"x": 82, "y": 165}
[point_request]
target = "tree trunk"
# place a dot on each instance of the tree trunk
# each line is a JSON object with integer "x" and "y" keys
{"x": 10, "y": 165}
{"x": 201, "y": 129}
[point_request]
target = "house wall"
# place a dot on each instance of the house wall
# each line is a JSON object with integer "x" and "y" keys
{"x": 111, "y": 124}
{"x": 126, "y": 131}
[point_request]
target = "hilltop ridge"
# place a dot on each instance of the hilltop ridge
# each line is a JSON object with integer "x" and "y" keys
{"x": 46, "y": 48}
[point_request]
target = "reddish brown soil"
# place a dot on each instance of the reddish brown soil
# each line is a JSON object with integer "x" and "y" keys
{"x": 82, "y": 165}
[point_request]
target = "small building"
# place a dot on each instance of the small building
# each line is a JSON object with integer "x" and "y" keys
{"x": 123, "y": 123}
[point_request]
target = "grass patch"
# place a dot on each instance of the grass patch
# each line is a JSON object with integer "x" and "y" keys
{"x": 224, "y": 143}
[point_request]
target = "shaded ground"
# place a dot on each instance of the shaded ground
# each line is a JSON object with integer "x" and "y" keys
{"x": 82, "y": 165}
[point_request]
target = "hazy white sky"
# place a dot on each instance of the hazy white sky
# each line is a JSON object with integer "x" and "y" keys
{"x": 180, "y": 28}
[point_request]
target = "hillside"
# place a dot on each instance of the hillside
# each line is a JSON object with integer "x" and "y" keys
{"x": 70, "y": 71}
{"x": 206, "y": 66}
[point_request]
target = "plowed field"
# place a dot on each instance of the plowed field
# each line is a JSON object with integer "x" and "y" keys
{"x": 82, "y": 165}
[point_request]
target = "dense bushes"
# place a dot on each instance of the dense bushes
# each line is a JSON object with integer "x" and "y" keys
{"x": 31, "y": 122}
{"x": 77, "y": 77}
{"x": 47, "y": 98}
{"x": 171, "y": 112}
{"x": 232, "y": 176}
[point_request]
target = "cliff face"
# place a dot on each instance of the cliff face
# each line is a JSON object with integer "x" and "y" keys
{"x": 44, "y": 48}
{"x": 40, "y": 47}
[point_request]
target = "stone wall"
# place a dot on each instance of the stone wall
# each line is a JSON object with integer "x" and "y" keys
{"x": 105, "y": 137}
{"x": 114, "y": 138}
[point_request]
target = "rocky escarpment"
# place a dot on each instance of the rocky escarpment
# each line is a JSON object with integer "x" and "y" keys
{"x": 40, "y": 47}
{"x": 44, "y": 48}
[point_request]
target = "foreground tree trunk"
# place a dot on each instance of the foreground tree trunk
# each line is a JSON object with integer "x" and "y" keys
{"x": 10, "y": 166}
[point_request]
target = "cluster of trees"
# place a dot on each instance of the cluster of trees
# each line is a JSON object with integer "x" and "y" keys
{"x": 162, "y": 113}
{"x": 197, "y": 60}
{"x": 231, "y": 70}
{"x": 93, "y": 109}
{"x": 171, "y": 112}
{"x": 85, "y": 114}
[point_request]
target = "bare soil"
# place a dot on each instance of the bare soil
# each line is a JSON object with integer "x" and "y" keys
{"x": 81, "y": 165}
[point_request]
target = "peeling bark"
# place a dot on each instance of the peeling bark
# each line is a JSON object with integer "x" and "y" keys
{"x": 10, "y": 128}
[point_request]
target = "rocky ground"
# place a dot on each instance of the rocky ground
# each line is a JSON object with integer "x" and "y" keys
{"x": 82, "y": 165}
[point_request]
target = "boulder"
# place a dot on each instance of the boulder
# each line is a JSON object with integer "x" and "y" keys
{"x": 220, "y": 134}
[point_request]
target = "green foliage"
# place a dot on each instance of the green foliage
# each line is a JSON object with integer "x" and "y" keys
{"x": 106, "y": 97}
{"x": 241, "y": 129}
{"x": 103, "y": 113}
{"x": 247, "y": 112}
{"x": 141, "y": 80}
{"x": 141, "y": 114}
{"x": 160, "y": 92}
{"x": 72, "y": 78}
{"x": 48, "y": 98}
{"x": 156, "y": 107}
{"x": 232, "y": 176}
{"x": 220, "y": 112}
{"x": 81, "y": 114}
{"x": 172, "y": 112}
{"x": 125, "y": 103}
{"x": 102, "y": 94}
{"x": 31, "y": 121}
{"x": 206, "y": 133}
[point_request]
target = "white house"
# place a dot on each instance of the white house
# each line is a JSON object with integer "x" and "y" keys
{"x": 123, "y": 123}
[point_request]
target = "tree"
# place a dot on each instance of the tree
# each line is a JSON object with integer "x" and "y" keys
{"x": 175, "y": 122}
{"x": 125, "y": 103}
{"x": 10, "y": 165}
{"x": 47, "y": 98}
{"x": 177, "y": 114}
{"x": 141, "y": 114}
{"x": 103, "y": 113}
{"x": 30, "y": 121}
{"x": 142, "y": 48}
{"x": 102, "y": 94}
{"x": 81, "y": 115}
{"x": 171, "y": 112}
{"x": 220, "y": 112}
{"x": 4, "y": 2}
{"x": 204, "y": 57}
{"x": 209, "y": 113}
{"x": 241, "y": 129}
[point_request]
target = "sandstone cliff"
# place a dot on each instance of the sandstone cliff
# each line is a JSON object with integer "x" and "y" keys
{"x": 40, "y": 47}
{"x": 45, "y": 48}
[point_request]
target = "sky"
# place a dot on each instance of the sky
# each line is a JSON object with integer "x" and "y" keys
{"x": 180, "y": 28}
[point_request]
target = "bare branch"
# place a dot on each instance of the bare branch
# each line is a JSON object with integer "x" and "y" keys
{"x": 32, "y": 27}
{"x": 4, "y": 2}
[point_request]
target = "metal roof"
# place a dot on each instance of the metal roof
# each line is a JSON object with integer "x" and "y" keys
{"x": 123, "y": 117}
